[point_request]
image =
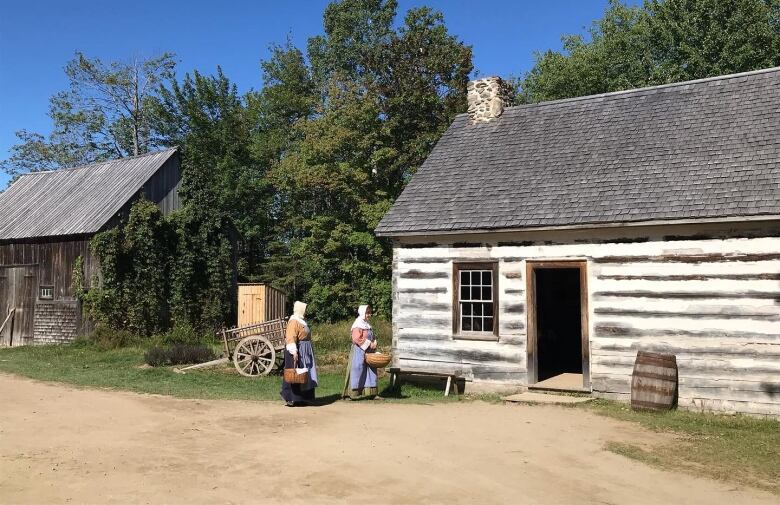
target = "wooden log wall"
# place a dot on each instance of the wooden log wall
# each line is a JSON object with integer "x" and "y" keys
{"x": 714, "y": 303}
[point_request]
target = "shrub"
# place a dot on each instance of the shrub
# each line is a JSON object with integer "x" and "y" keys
{"x": 182, "y": 354}
{"x": 178, "y": 354}
{"x": 104, "y": 337}
{"x": 185, "y": 334}
{"x": 156, "y": 356}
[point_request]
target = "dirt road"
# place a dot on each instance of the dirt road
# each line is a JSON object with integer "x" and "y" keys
{"x": 64, "y": 445}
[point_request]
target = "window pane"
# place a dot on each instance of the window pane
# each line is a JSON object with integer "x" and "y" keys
{"x": 466, "y": 309}
{"x": 476, "y": 293}
{"x": 487, "y": 293}
{"x": 476, "y": 309}
{"x": 487, "y": 309}
{"x": 477, "y": 324}
{"x": 486, "y": 276}
{"x": 464, "y": 293}
{"x": 465, "y": 277}
{"x": 488, "y": 323}
{"x": 466, "y": 324}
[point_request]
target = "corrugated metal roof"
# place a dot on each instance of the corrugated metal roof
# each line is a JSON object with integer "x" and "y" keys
{"x": 74, "y": 201}
{"x": 696, "y": 150}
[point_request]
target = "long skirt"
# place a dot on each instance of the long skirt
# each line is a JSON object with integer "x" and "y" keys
{"x": 361, "y": 378}
{"x": 300, "y": 392}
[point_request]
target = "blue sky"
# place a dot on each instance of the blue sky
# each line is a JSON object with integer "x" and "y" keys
{"x": 37, "y": 38}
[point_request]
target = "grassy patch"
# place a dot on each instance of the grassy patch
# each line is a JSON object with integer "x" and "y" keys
{"x": 738, "y": 449}
{"x": 332, "y": 341}
{"x": 124, "y": 369}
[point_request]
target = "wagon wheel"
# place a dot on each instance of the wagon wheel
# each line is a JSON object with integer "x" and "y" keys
{"x": 254, "y": 356}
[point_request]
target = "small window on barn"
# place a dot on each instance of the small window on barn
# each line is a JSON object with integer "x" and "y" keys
{"x": 476, "y": 291}
{"x": 46, "y": 293}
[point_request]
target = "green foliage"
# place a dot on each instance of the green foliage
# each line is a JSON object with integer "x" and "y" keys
{"x": 156, "y": 356}
{"x": 106, "y": 113}
{"x": 105, "y": 338}
{"x": 133, "y": 290}
{"x": 658, "y": 43}
{"x": 384, "y": 96}
{"x": 178, "y": 354}
{"x": 184, "y": 333}
{"x": 337, "y": 337}
{"x": 221, "y": 229}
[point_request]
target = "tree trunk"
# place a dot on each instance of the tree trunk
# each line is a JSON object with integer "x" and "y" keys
{"x": 136, "y": 112}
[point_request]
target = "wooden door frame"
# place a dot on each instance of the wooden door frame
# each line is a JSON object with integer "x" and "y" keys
{"x": 531, "y": 345}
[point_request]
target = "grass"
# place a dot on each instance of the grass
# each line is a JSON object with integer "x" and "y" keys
{"x": 87, "y": 365}
{"x": 740, "y": 449}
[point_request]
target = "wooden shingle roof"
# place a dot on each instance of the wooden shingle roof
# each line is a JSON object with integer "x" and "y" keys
{"x": 706, "y": 149}
{"x": 76, "y": 200}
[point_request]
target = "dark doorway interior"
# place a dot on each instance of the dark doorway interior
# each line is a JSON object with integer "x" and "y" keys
{"x": 558, "y": 320}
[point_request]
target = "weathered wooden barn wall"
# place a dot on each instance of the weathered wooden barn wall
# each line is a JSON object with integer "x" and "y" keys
{"x": 162, "y": 188}
{"x": 48, "y": 220}
{"x": 54, "y": 258}
{"x": 44, "y": 263}
{"x": 712, "y": 299}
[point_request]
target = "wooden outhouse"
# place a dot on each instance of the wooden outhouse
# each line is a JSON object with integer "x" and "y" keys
{"x": 258, "y": 302}
{"x": 46, "y": 222}
{"x": 544, "y": 245}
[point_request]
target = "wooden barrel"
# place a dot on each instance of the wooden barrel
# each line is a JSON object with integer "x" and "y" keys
{"x": 654, "y": 381}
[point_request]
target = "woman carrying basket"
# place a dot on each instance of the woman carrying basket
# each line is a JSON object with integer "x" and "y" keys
{"x": 361, "y": 377}
{"x": 299, "y": 354}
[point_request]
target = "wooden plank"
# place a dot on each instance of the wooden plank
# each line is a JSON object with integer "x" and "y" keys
{"x": 689, "y": 295}
{"x": 713, "y": 257}
{"x": 725, "y": 313}
{"x": 457, "y": 352}
{"x": 418, "y": 274}
{"x": 691, "y": 277}
{"x": 424, "y": 321}
{"x": 658, "y": 271}
{"x": 612, "y": 329}
{"x": 584, "y": 324}
{"x": 692, "y": 346}
{"x": 531, "y": 342}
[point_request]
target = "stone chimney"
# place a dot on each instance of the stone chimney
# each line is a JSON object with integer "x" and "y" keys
{"x": 487, "y": 98}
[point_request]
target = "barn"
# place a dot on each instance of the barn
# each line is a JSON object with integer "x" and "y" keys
{"x": 543, "y": 245}
{"x": 46, "y": 222}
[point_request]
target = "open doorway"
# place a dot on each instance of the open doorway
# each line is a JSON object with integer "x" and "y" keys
{"x": 557, "y": 329}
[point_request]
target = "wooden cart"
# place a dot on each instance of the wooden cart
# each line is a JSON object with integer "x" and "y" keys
{"x": 256, "y": 348}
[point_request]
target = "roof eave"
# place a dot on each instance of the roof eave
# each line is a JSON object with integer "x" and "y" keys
{"x": 594, "y": 226}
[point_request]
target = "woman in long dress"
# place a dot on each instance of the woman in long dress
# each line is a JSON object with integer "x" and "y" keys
{"x": 361, "y": 378}
{"x": 298, "y": 353}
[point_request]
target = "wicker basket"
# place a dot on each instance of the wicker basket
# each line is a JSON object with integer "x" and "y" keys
{"x": 377, "y": 359}
{"x": 293, "y": 377}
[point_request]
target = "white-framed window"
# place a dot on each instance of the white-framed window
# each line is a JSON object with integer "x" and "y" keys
{"x": 46, "y": 292}
{"x": 476, "y": 299}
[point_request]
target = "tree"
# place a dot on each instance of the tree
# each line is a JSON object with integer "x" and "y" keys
{"x": 226, "y": 200}
{"x": 659, "y": 42}
{"x": 384, "y": 95}
{"x": 104, "y": 115}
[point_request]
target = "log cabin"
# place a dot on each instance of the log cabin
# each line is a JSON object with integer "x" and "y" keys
{"x": 543, "y": 245}
{"x": 46, "y": 221}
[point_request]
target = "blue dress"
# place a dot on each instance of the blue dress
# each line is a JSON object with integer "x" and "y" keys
{"x": 301, "y": 392}
{"x": 361, "y": 378}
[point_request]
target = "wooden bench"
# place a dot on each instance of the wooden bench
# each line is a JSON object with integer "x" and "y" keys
{"x": 395, "y": 372}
